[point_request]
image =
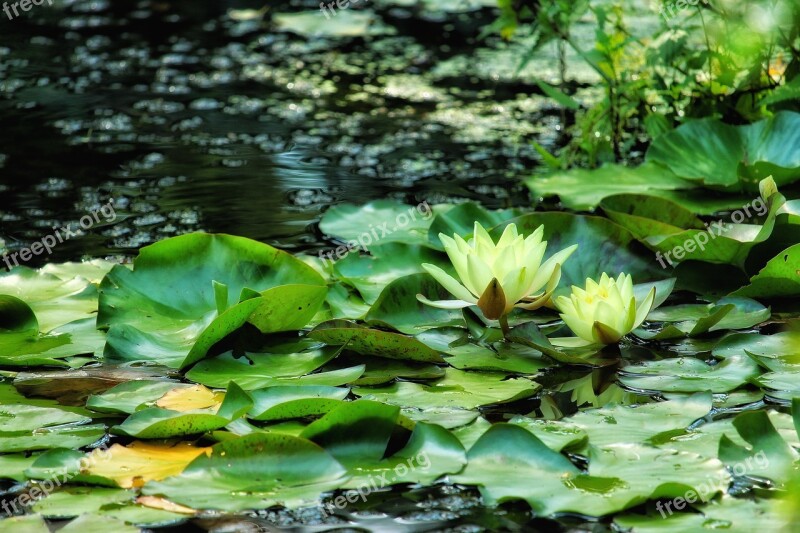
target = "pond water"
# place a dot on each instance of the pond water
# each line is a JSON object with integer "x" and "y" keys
{"x": 192, "y": 120}
{"x": 191, "y": 117}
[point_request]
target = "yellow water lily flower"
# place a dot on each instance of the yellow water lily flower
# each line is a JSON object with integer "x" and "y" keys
{"x": 604, "y": 312}
{"x": 498, "y": 277}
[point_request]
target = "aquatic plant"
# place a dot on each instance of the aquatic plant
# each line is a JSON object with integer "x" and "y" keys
{"x": 498, "y": 277}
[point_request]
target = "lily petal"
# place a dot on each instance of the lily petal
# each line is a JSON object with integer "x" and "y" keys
{"x": 445, "y": 304}
{"x": 545, "y": 271}
{"x": 449, "y": 282}
{"x": 644, "y": 309}
{"x": 570, "y": 342}
{"x": 480, "y": 275}
{"x": 539, "y": 301}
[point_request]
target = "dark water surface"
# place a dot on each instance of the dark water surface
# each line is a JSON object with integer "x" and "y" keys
{"x": 192, "y": 120}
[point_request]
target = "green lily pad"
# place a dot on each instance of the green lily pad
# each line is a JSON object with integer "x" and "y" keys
{"x": 344, "y": 303}
{"x": 56, "y": 301}
{"x": 643, "y": 424}
{"x": 584, "y": 189}
{"x": 556, "y": 436}
{"x": 23, "y": 345}
{"x": 619, "y": 477}
{"x": 146, "y": 322}
{"x": 157, "y": 423}
{"x": 259, "y": 370}
{"x": 727, "y": 513}
{"x": 32, "y": 523}
{"x": 381, "y": 370}
{"x": 732, "y": 157}
{"x": 92, "y": 523}
{"x": 28, "y": 427}
{"x": 688, "y": 374}
{"x": 75, "y": 501}
{"x": 778, "y": 352}
{"x": 14, "y": 465}
{"x": 128, "y": 397}
{"x": 397, "y": 306}
{"x": 370, "y": 274}
{"x": 254, "y": 472}
{"x": 677, "y": 235}
{"x": 464, "y": 390}
{"x": 431, "y": 452}
{"x": 368, "y": 341}
{"x": 745, "y": 314}
{"x": 778, "y": 279}
{"x": 356, "y": 432}
{"x": 286, "y": 402}
{"x": 384, "y": 221}
{"x": 767, "y": 454}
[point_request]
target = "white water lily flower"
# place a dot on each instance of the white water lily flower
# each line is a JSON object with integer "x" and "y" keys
{"x": 604, "y": 312}
{"x": 498, "y": 277}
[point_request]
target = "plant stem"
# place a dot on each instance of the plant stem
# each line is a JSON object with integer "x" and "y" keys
{"x": 504, "y": 326}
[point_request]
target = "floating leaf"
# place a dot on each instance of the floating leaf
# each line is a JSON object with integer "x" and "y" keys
{"x": 147, "y": 323}
{"x": 383, "y": 221}
{"x": 132, "y": 465}
{"x": 464, "y": 390}
{"x": 27, "y": 427}
{"x": 254, "y": 472}
{"x": 397, "y": 306}
{"x": 687, "y": 374}
{"x": 368, "y": 341}
{"x": 286, "y": 402}
{"x": 780, "y": 278}
{"x": 259, "y": 370}
{"x": 732, "y": 157}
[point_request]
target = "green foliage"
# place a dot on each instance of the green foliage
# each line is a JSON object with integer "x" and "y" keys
{"x": 300, "y": 398}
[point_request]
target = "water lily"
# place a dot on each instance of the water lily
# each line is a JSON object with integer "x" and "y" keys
{"x": 603, "y": 312}
{"x": 498, "y": 277}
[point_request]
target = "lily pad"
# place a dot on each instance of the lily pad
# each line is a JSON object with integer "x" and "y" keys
{"x": 370, "y": 274}
{"x": 254, "y": 472}
{"x": 126, "y": 398}
{"x": 28, "y": 427}
{"x": 286, "y": 402}
{"x": 584, "y": 189}
{"x": 381, "y": 221}
{"x": 688, "y": 374}
{"x": 259, "y": 370}
{"x": 464, "y": 390}
{"x": 732, "y": 157}
{"x": 157, "y": 423}
{"x": 397, "y": 306}
{"x": 778, "y": 279}
{"x": 207, "y": 273}
{"x": 369, "y": 341}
